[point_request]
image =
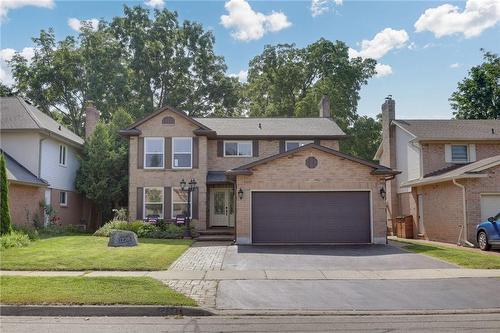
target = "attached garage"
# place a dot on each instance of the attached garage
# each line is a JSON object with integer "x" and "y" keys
{"x": 490, "y": 205}
{"x": 311, "y": 217}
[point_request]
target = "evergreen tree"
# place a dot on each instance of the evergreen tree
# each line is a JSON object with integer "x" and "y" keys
{"x": 5, "y": 222}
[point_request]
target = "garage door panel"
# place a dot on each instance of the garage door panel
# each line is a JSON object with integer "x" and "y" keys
{"x": 490, "y": 205}
{"x": 311, "y": 217}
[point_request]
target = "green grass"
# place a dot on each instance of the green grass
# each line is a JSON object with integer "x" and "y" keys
{"x": 83, "y": 252}
{"x": 461, "y": 257}
{"x": 88, "y": 290}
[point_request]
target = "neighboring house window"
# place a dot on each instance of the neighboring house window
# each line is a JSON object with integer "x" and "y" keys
{"x": 179, "y": 202}
{"x": 296, "y": 144}
{"x": 62, "y": 155}
{"x": 63, "y": 198}
{"x": 153, "y": 201}
{"x": 182, "y": 149}
{"x": 153, "y": 153}
{"x": 238, "y": 148}
{"x": 459, "y": 153}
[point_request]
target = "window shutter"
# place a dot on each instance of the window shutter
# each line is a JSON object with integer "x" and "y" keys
{"x": 140, "y": 201}
{"x": 447, "y": 153}
{"x": 168, "y": 153}
{"x": 196, "y": 153}
{"x": 472, "y": 152}
{"x": 282, "y": 146}
{"x": 220, "y": 148}
{"x": 167, "y": 203}
{"x": 317, "y": 142}
{"x": 255, "y": 148}
{"x": 140, "y": 153}
{"x": 194, "y": 198}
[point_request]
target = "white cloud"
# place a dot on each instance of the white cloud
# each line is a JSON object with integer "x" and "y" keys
{"x": 455, "y": 65}
{"x": 383, "y": 70}
{"x": 158, "y": 4}
{"x": 447, "y": 19}
{"x": 248, "y": 24}
{"x": 242, "y": 76}
{"x": 77, "y": 24}
{"x": 6, "y": 5}
{"x": 381, "y": 44}
{"x": 319, "y": 7}
{"x": 6, "y": 55}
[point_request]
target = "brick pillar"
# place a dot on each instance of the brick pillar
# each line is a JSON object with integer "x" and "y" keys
{"x": 91, "y": 118}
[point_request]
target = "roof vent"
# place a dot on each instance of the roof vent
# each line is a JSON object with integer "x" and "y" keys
{"x": 389, "y": 97}
{"x": 260, "y": 125}
{"x": 59, "y": 127}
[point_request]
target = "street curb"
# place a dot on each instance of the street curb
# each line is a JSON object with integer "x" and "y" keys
{"x": 353, "y": 312}
{"x": 102, "y": 311}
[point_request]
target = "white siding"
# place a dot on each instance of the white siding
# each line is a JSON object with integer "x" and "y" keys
{"x": 407, "y": 159}
{"x": 59, "y": 177}
{"x": 23, "y": 147}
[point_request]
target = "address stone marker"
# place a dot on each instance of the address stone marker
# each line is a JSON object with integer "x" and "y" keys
{"x": 122, "y": 238}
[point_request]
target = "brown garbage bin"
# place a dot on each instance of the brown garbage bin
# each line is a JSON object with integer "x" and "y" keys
{"x": 404, "y": 226}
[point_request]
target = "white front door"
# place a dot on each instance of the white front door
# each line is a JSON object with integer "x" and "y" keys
{"x": 222, "y": 207}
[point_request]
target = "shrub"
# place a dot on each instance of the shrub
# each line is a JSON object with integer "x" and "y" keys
{"x": 30, "y": 232}
{"x": 5, "y": 222}
{"x": 14, "y": 239}
{"x": 169, "y": 231}
{"x": 54, "y": 229}
{"x": 143, "y": 229}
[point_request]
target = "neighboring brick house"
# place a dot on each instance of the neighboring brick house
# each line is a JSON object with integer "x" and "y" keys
{"x": 450, "y": 173}
{"x": 272, "y": 180}
{"x": 42, "y": 163}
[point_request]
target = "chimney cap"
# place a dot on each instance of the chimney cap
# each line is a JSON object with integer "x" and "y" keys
{"x": 389, "y": 97}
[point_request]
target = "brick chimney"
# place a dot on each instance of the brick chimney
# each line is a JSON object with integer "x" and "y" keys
{"x": 324, "y": 107}
{"x": 91, "y": 118}
{"x": 388, "y": 143}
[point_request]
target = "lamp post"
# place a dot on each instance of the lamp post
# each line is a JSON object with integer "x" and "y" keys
{"x": 189, "y": 188}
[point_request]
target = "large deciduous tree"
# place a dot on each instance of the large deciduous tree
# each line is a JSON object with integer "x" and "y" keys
{"x": 478, "y": 95}
{"x": 364, "y": 138}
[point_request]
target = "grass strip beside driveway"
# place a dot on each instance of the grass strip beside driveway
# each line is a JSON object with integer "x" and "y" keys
{"x": 85, "y": 253}
{"x": 461, "y": 257}
{"x": 89, "y": 290}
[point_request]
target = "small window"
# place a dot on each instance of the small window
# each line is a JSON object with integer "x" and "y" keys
{"x": 153, "y": 153}
{"x": 62, "y": 155}
{"x": 459, "y": 153}
{"x": 182, "y": 149}
{"x": 180, "y": 202}
{"x": 289, "y": 145}
{"x": 238, "y": 148}
{"x": 153, "y": 202}
{"x": 168, "y": 121}
{"x": 63, "y": 198}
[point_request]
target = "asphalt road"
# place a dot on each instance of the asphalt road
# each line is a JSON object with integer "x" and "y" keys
{"x": 293, "y": 324}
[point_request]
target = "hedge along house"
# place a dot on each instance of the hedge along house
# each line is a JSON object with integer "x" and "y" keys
{"x": 264, "y": 180}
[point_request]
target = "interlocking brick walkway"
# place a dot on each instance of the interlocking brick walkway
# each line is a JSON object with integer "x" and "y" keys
{"x": 201, "y": 257}
{"x": 202, "y": 291}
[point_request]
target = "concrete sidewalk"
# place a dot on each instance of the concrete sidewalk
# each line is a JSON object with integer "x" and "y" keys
{"x": 407, "y": 274}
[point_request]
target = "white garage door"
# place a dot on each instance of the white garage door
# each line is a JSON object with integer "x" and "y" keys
{"x": 490, "y": 205}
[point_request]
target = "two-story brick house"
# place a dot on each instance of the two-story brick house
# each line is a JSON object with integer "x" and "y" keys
{"x": 275, "y": 180}
{"x": 450, "y": 173}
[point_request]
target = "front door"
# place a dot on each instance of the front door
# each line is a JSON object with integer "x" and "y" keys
{"x": 222, "y": 207}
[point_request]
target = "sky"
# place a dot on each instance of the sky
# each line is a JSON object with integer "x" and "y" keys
{"x": 424, "y": 48}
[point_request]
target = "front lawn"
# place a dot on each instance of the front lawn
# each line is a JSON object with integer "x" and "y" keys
{"x": 461, "y": 257}
{"x": 88, "y": 290}
{"x": 85, "y": 253}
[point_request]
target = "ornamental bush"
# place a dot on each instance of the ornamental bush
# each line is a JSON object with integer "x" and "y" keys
{"x": 143, "y": 229}
{"x": 5, "y": 222}
{"x": 14, "y": 239}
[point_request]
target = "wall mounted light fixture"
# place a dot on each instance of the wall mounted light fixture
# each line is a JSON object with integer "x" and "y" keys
{"x": 382, "y": 192}
{"x": 240, "y": 193}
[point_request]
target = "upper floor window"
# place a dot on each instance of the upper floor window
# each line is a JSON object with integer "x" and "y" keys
{"x": 153, "y": 202}
{"x": 62, "y": 155}
{"x": 153, "y": 153}
{"x": 459, "y": 153}
{"x": 289, "y": 145}
{"x": 182, "y": 149}
{"x": 238, "y": 148}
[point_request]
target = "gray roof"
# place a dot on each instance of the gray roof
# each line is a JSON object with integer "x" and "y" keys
{"x": 272, "y": 127}
{"x": 439, "y": 129}
{"x": 17, "y": 114}
{"x": 16, "y": 172}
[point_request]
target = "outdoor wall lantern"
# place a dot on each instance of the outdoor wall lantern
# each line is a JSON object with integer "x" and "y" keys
{"x": 382, "y": 193}
{"x": 240, "y": 194}
{"x": 189, "y": 188}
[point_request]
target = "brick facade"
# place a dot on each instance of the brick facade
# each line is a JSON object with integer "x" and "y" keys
{"x": 73, "y": 213}
{"x": 291, "y": 173}
{"x": 24, "y": 204}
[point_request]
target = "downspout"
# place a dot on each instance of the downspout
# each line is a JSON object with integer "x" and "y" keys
{"x": 464, "y": 228}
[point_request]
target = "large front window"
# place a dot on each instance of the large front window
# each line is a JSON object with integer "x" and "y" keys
{"x": 296, "y": 144}
{"x": 238, "y": 148}
{"x": 153, "y": 153}
{"x": 182, "y": 149}
{"x": 459, "y": 153}
{"x": 153, "y": 202}
{"x": 179, "y": 202}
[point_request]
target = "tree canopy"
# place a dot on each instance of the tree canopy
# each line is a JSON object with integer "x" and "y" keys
{"x": 478, "y": 95}
{"x": 364, "y": 138}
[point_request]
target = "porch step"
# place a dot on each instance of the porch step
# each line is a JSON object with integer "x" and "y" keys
{"x": 215, "y": 238}
{"x": 215, "y": 231}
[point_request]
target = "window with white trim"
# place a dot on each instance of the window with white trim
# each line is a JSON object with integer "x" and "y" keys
{"x": 289, "y": 145}
{"x": 238, "y": 148}
{"x": 182, "y": 153}
{"x": 459, "y": 153}
{"x": 153, "y": 202}
{"x": 180, "y": 202}
{"x": 62, "y": 155}
{"x": 63, "y": 199}
{"x": 154, "y": 153}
